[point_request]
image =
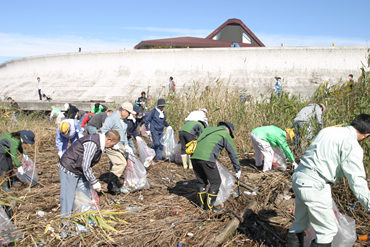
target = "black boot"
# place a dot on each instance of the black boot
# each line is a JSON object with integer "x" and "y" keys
{"x": 113, "y": 184}
{"x": 295, "y": 239}
{"x": 5, "y": 186}
{"x": 313, "y": 244}
{"x": 14, "y": 182}
{"x": 202, "y": 197}
{"x": 211, "y": 199}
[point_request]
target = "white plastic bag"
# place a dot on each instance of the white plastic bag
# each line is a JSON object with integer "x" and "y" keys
{"x": 146, "y": 153}
{"x": 8, "y": 232}
{"x": 30, "y": 172}
{"x": 346, "y": 236}
{"x": 227, "y": 184}
{"x": 135, "y": 176}
{"x": 178, "y": 153}
{"x": 142, "y": 131}
{"x": 168, "y": 140}
{"x": 86, "y": 197}
{"x": 279, "y": 160}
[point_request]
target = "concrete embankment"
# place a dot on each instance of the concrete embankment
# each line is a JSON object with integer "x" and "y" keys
{"x": 121, "y": 75}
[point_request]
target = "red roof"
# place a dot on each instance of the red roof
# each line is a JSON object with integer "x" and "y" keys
{"x": 202, "y": 43}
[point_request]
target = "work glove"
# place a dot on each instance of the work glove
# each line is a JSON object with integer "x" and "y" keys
{"x": 20, "y": 170}
{"x": 147, "y": 132}
{"x": 138, "y": 138}
{"x": 80, "y": 135}
{"x": 60, "y": 153}
{"x": 169, "y": 128}
{"x": 83, "y": 129}
{"x": 295, "y": 165}
{"x": 237, "y": 174}
{"x": 128, "y": 149}
{"x": 115, "y": 147}
{"x": 97, "y": 187}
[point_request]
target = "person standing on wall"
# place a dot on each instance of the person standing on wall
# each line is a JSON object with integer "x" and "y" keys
{"x": 115, "y": 121}
{"x": 277, "y": 88}
{"x": 39, "y": 88}
{"x": 171, "y": 86}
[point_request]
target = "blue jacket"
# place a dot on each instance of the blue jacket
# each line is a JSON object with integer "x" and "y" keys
{"x": 114, "y": 122}
{"x": 156, "y": 124}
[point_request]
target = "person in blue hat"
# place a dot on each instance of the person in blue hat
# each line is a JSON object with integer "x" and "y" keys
{"x": 155, "y": 123}
{"x": 133, "y": 122}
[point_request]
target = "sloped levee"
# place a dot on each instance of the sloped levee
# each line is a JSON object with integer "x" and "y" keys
{"x": 117, "y": 76}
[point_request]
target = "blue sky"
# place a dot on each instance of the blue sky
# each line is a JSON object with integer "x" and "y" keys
{"x": 31, "y": 27}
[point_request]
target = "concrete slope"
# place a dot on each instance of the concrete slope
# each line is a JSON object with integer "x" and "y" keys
{"x": 121, "y": 75}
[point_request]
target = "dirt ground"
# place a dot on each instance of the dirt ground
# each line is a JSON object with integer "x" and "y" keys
{"x": 171, "y": 188}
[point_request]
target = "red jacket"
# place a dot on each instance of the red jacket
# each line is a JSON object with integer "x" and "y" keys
{"x": 86, "y": 119}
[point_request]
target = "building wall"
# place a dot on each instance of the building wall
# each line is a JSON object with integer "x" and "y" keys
{"x": 122, "y": 75}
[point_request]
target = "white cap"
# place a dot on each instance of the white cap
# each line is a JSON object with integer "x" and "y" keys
{"x": 204, "y": 110}
{"x": 66, "y": 105}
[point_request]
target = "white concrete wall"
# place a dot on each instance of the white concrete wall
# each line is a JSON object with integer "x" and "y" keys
{"x": 122, "y": 75}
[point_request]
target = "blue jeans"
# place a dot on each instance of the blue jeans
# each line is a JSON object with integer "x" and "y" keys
{"x": 91, "y": 129}
{"x": 157, "y": 145}
{"x": 131, "y": 144}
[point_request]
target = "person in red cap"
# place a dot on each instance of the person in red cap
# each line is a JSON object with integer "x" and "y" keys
{"x": 10, "y": 143}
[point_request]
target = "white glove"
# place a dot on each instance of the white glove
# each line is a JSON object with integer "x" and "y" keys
{"x": 115, "y": 147}
{"x": 295, "y": 165}
{"x": 60, "y": 153}
{"x": 237, "y": 174}
{"x": 20, "y": 170}
{"x": 169, "y": 128}
{"x": 83, "y": 129}
{"x": 128, "y": 149}
{"x": 80, "y": 135}
{"x": 138, "y": 138}
{"x": 147, "y": 132}
{"x": 97, "y": 186}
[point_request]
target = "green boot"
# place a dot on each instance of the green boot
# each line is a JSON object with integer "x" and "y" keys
{"x": 211, "y": 199}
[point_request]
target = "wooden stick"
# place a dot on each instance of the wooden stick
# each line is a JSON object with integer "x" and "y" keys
{"x": 232, "y": 226}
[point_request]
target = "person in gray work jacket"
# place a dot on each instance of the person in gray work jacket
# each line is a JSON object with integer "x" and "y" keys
{"x": 115, "y": 121}
{"x": 97, "y": 121}
{"x": 77, "y": 162}
{"x": 302, "y": 123}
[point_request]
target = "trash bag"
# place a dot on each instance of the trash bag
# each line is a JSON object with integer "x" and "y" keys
{"x": 135, "y": 176}
{"x": 168, "y": 140}
{"x": 142, "y": 131}
{"x": 178, "y": 153}
{"x": 279, "y": 159}
{"x": 346, "y": 235}
{"x": 86, "y": 198}
{"x": 227, "y": 184}
{"x": 8, "y": 232}
{"x": 30, "y": 172}
{"x": 146, "y": 153}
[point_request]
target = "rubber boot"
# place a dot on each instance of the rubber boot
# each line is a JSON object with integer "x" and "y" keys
{"x": 202, "y": 197}
{"x": 184, "y": 158}
{"x": 190, "y": 164}
{"x": 113, "y": 188}
{"x": 14, "y": 182}
{"x": 313, "y": 244}
{"x": 5, "y": 186}
{"x": 211, "y": 199}
{"x": 295, "y": 239}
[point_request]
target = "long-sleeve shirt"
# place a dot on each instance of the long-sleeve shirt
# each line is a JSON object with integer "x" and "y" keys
{"x": 39, "y": 85}
{"x": 157, "y": 124}
{"x": 9, "y": 146}
{"x": 114, "y": 122}
{"x": 86, "y": 119}
{"x": 90, "y": 149}
{"x": 311, "y": 111}
{"x": 74, "y": 129}
{"x": 335, "y": 153}
{"x": 209, "y": 149}
{"x": 132, "y": 124}
{"x": 99, "y": 110}
{"x": 276, "y": 137}
{"x": 98, "y": 120}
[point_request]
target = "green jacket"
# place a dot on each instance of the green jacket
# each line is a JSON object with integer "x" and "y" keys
{"x": 209, "y": 148}
{"x": 9, "y": 146}
{"x": 276, "y": 137}
{"x": 193, "y": 127}
{"x": 96, "y": 111}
